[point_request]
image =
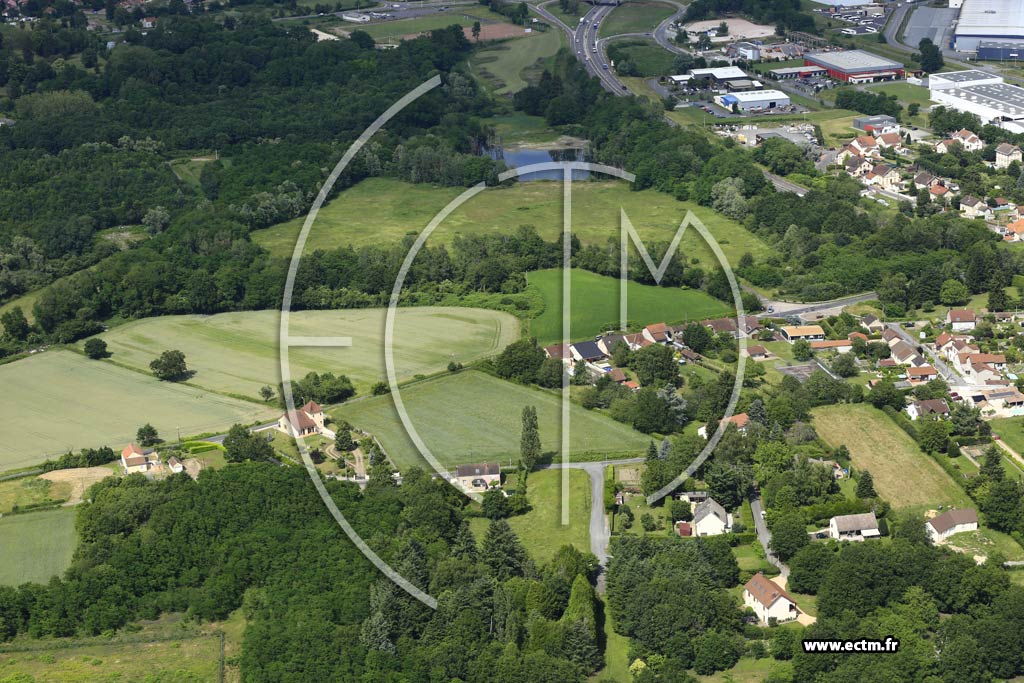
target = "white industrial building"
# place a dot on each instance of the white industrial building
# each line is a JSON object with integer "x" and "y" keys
{"x": 988, "y": 20}
{"x": 982, "y": 94}
{"x": 754, "y": 100}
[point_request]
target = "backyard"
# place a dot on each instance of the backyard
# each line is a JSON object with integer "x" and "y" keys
{"x": 471, "y": 417}
{"x": 893, "y": 458}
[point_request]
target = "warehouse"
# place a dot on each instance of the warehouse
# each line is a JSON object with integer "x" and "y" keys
{"x": 998, "y": 103}
{"x": 856, "y": 66}
{"x": 1000, "y": 52}
{"x": 754, "y": 101}
{"x": 720, "y": 75}
{"x": 793, "y": 72}
{"x": 961, "y": 79}
{"x": 989, "y": 20}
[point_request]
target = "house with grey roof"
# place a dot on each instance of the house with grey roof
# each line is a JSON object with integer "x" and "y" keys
{"x": 853, "y": 527}
{"x": 710, "y": 518}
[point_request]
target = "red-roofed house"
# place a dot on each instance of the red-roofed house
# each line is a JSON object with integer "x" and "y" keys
{"x": 741, "y": 420}
{"x": 961, "y": 319}
{"x": 134, "y": 459}
{"x": 770, "y": 602}
{"x": 309, "y": 419}
{"x": 658, "y": 332}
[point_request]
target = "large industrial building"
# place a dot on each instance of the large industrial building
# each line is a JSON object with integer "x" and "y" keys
{"x": 856, "y": 66}
{"x": 982, "y": 94}
{"x": 989, "y": 21}
{"x": 753, "y": 101}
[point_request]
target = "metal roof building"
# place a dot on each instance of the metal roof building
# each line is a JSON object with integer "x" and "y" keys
{"x": 988, "y": 20}
{"x": 856, "y": 66}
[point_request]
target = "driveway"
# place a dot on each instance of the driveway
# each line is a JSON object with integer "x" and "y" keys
{"x": 765, "y": 536}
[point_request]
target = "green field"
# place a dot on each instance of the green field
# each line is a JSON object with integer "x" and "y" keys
{"x": 635, "y": 17}
{"x": 36, "y": 545}
{"x": 30, "y": 490}
{"x": 383, "y": 211}
{"x": 541, "y": 530}
{"x": 60, "y": 400}
{"x": 595, "y": 303}
{"x": 168, "y": 651}
{"x": 507, "y": 65}
{"x": 470, "y": 417}
{"x": 1011, "y": 431}
{"x": 903, "y": 475}
{"x": 393, "y": 31}
{"x": 650, "y": 58}
{"x": 237, "y": 353}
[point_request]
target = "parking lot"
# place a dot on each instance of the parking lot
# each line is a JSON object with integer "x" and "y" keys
{"x": 934, "y": 23}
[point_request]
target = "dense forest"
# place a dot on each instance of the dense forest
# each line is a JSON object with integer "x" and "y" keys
{"x": 149, "y": 547}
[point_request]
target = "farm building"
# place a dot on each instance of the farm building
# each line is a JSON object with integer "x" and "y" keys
{"x": 856, "y": 66}
{"x": 951, "y": 522}
{"x": 756, "y": 100}
{"x": 768, "y": 600}
{"x": 988, "y": 20}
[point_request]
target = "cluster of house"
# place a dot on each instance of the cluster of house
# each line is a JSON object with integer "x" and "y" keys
{"x": 137, "y": 459}
{"x": 596, "y": 355}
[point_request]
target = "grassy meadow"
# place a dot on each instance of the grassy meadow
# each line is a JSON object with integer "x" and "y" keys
{"x": 595, "y": 302}
{"x": 903, "y": 475}
{"x": 650, "y": 58}
{"x": 635, "y": 17}
{"x": 383, "y": 211}
{"x": 29, "y": 491}
{"x": 541, "y": 529}
{"x": 237, "y": 353}
{"x": 35, "y": 546}
{"x": 507, "y": 64}
{"x": 60, "y": 400}
{"x": 470, "y": 417}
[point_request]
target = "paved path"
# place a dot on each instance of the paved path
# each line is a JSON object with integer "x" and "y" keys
{"x": 765, "y": 536}
{"x": 796, "y": 308}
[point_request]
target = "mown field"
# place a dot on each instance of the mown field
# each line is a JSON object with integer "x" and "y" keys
{"x": 541, "y": 530}
{"x": 237, "y": 353}
{"x": 505, "y": 65}
{"x": 635, "y": 17}
{"x": 471, "y": 417}
{"x": 392, "y": 31}
{"x": 382, "y": 211}
{"x": 595, "y": 302}
{"x": 650, "y": 58}
{"x": 902, "y": 474}
{"x": 36, "y": 545}
{"x": 60, "y": 400}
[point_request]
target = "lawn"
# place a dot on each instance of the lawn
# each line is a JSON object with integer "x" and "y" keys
{"x": 470, "y": 416}
{"x": 506, "y": 65}
{"x": 237, "y": 353}
{"x": 168, "y": 651}
{"x": 60, "y": 400}
{"x": 1011, "y": 431}
{"x": 616, "y": 654}
{"x": 383, "y": 211}
{"x": 541, "y": 530}
{"x": 595, "y": 304}
{"x": 749, "y": 670}
{"x": 985, "y": 542}
{"x": 905, "y": 92}
{"x": 649, "y": 58}
{"x": 635, "y": 17}
{"x": 903, "y": 475}
{"x": 36, "y": 545}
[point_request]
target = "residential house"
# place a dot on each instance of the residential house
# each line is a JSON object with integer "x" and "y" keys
{"x": 865, "y": 146}
{"x": 135, "y": 459}
{"x": 769, "y": 601}
{"x": 1006, "y": 154}
{"x": 885, "y": 177}
{"x": 857, "y": 335}
{"x": 1004, "y": 210}
{"x": 961, "y": 319}
{"x": 636, "y": 340}
{"x": 965, "y": 138}
{"x": 924, "y": 180}
{"x": 891, "y": 141}
{"x": 559, "y": 351}
{"x": 757, "y": 352}
{"x": 932, "y": 406}
{"x": 857, "y": 166}
{"x": 837, "y": 345}
{"x": 903, "y": 353}
{"x": 853, "y": 527}
{"x": 658, "y": 333}
{"x": 951, "y": 522}
{"x": 175, "y": 465}
{"x": 618, "y": 375}
{"x": 890, "y": 336}
{"x": 872, "y": 324}
{"x": 478, "y": 476}
{"x": 938, "y": 193}
{"x": 710, "y": 519}
{"x": 809, "y": 332}
{"x": 972, "y": 207}
{"x": 607, "y": 343}
{"x": 920, "y": 375}
{"x": 309, "y": 419}
{"x": 148, "y": 22}
{"x": 586, "y": 351}
{"x": 740, "y": 420}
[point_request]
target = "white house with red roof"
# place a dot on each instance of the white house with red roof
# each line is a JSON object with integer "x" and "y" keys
{"x": 740, "y": 420}
{"x": 308, "y": 420}
{"x": 769, "y": 600}
{"x": 135, "y": 459}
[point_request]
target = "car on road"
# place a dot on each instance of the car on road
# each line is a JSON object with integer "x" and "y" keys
{"x": 604, "y": 66}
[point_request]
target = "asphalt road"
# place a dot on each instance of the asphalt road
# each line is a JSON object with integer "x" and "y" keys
{"x": 763, "y": 535}
{"x": 952, "y": 379}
